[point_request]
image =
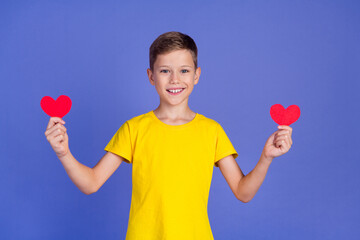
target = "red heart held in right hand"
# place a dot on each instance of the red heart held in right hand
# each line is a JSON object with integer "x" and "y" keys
{"x": 284, "y": 116}
{"x": 58, "y": 108}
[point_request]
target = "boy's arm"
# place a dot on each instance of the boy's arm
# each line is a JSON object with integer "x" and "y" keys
{"x": 87, "y": 179}
{"x": 244, "y": 187}
{"x": 81, "y": 175}
{"x": 105, "y": 168}
{"x": 231, "y": 172}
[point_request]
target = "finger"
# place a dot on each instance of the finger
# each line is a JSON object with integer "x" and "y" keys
{"x": 287, "y": 135}
{"x": 62, "y": 127}
{"x": 286, "y": 128}
{"x": 53, "y": 124}
{"x": 55, "y": 141}
{"x": 58, "y": 139}
{"x": 282, "y": 142}
{"x": 279, "y": 140}
{"x": 55, "y": 133}
{"x": 277, "y": 133}
{"x": 53, "y": 128}
{"x": 284, "y": 146}
{"x": 53, "y": 121}
{"x": 49, "y": 131}
{"x": 282, "y": 137}
{"x": 287, "y": 141}
{"x": 279, "y": 143}
{"x": 283, "y": 131}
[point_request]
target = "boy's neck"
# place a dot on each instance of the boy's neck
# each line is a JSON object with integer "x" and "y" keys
{"x": 174, "y": 113}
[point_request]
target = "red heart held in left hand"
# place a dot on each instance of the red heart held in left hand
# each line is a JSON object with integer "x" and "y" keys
{"x": 58, "y": 108}
{"x": 284, "y": 116}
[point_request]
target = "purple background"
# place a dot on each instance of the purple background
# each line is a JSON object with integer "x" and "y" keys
{"x": 253, "y": 54}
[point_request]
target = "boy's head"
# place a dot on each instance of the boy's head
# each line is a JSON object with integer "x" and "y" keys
{"x": 173, "y": 67}
{"x": 171, "y": 41}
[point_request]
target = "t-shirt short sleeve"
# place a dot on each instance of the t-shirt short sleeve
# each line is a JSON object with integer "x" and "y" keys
{"x": 120, "y": 143}
{"x": 224, "y": 146}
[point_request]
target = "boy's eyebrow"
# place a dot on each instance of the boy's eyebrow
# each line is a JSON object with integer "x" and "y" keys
{"x": 169, "y": 66}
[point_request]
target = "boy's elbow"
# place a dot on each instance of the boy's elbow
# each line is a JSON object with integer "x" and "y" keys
{"x": 90, "y": 191}
{"x": 243, "y": 199}
{"x": 93, "y": 188}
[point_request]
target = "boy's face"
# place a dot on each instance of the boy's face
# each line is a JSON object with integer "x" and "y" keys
{"x": 174, "y": 70}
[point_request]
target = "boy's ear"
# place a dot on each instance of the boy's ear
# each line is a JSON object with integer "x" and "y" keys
{"x": 150, "y": 76}
{"x": 197, "y": 75}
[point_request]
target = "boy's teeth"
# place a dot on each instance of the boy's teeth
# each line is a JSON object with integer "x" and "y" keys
{"x": 175, "y": 91}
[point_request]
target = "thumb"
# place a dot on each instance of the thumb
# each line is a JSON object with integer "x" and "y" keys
{"x": 66, "y": 137}
{"x": 53, "y": 121}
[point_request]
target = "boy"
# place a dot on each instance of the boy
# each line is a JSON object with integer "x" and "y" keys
{"x": 173, "y": 151}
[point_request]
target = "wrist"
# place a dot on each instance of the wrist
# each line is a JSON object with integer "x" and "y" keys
{"x": 65, "y": 156}
{"x": 266, "y": 158}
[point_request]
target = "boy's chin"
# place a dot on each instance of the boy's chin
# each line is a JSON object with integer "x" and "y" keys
{"x": 174, "y": 102}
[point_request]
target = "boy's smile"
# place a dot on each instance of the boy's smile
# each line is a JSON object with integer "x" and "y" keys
{"x": 175, "y": 91}
{"x": 174, "y": 77}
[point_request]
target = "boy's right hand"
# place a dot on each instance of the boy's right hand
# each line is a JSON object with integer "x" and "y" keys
{"x": 56, "y": 135}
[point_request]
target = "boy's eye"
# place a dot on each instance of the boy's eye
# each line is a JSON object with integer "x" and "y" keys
{"x": 166, "y": 71}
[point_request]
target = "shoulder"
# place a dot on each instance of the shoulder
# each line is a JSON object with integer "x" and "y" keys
{"x": 208, "y": 122}
{"x": 138, "y": 119}
{"x": 139, "y": 122}
{"x": 212, "y": 124}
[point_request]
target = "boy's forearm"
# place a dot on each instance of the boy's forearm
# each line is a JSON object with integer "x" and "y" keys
{"x": 250, "y": 184}
{"x": 82, "y": 176}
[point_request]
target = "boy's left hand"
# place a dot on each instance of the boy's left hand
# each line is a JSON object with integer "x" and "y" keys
{"x": 279, "y": 142}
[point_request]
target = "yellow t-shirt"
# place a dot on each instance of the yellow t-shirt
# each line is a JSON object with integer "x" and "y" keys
{"x": 171, "y": 175}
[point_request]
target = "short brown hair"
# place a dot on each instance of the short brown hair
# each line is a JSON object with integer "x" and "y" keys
{"x": 171, "y": 41}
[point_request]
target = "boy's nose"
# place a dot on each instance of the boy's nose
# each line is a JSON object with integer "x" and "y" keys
{"x": 174, "y": 77}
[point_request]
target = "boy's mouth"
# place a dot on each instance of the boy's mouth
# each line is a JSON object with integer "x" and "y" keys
{"x": 175, "y": 91}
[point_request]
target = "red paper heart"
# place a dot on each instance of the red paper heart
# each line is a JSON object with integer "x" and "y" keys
{"x": 284, "y": 116}
{"x": 58, "y": 108}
